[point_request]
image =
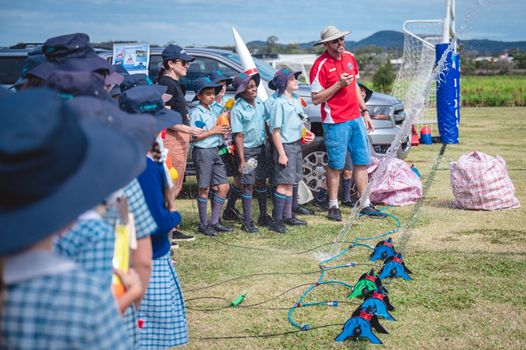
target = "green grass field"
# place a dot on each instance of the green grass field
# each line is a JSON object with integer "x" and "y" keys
{"x": 493, "y": 91}
{"x": 469, "y": 267}
{"x": 487, "y": 91}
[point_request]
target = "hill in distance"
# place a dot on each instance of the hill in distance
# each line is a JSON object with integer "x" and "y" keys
{"x": 393, "y": 40}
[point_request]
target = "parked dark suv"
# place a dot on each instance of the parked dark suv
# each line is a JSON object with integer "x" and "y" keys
{"x": 208, "y": 60}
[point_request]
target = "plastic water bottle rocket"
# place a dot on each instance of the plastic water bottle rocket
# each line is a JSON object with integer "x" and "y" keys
{"x": 239, "y": 299}
{"x": 224, "y": 119}
{"x": 250, "y": 166}
{"x": 305, "y": 131}
{"x": 121, "y": 258}
{"x": 425, "y": 135}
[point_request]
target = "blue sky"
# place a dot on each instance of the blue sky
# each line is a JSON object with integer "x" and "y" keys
{"x": 205, "y": 22}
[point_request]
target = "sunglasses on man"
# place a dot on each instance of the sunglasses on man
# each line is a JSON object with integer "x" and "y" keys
{"x": 336, "y": 41}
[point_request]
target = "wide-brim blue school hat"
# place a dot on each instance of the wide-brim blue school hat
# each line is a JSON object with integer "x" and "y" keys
{"x": 217, "y": 76}
{"x": 89, "y": 63}
{"x": 149, "y": 99}
{"x": 54, "y": 167}
{"x": 203, "y": 83}
{"x": 71, "y": 84}
{"x": 281, "y": 78}
{"x": 240, "y": 82}
{"x": 33, "y": 59}
{"x": 141, "y": 128}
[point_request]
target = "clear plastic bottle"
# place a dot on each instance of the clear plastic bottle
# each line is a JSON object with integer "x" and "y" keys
{"x": 250, "y": 165}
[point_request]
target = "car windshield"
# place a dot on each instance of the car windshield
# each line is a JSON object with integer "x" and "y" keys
{"x": 264, "y": 69}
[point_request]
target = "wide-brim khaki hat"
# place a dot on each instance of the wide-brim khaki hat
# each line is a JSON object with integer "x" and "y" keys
{"x": 330, "y": 33}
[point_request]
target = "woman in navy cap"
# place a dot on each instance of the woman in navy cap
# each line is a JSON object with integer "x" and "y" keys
{"x": 175, "y": 66}
{"x": 48, "y": 302}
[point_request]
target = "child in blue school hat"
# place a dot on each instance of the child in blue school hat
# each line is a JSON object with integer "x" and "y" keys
{"x": 286, "y": 124}
{"x": 162, "y": 310}
{"x": 249, "y": 119}
{"x": 48, "y": 302}
{"x": 218, "y": 77}
{"x": 211, "y": 170}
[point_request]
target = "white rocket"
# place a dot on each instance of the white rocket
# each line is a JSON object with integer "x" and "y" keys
{"x": 248, "y": 62}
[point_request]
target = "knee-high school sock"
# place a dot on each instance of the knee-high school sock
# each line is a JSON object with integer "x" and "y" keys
{"x": 278, "y": 200}
{"x": 262, "y": 200}
{"x": 295, "y": 196}
{"x": 347, "y": 183}
{"x": 201, "y": 206}
{"x": 233, "y": 196}
{"x": 287, "y": 210}
{"x": 246, "y": 199}
{"x": 217, "y": 207}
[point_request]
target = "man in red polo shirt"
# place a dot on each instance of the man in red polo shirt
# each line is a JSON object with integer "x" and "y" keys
{"x": 333, "y": 79}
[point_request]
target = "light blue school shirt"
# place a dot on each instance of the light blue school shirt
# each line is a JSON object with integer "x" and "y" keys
{"x": 250, "y": 121}
{"x": 269, "y": 103}
{"x": 217, "y": 108}
{"x": 209, "y": 118}
{"x": 285, "y": 116}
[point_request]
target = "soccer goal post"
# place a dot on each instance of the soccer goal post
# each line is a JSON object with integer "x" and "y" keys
{"x": 425, "y": 41}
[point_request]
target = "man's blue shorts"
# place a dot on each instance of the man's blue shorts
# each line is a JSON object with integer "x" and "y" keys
{"x": 347, "y": 136}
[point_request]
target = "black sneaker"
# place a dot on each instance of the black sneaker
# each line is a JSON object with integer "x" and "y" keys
{"x": 334, "y": 214}
{"x": 294, "y": 221}
{"x": 178, "y": 236}
{"x": 348, "y": 204}
{"x": 175, "y": 245}
{"x": 371, "y": 211}
{"x": 207, "y": 230}
{"x": 300, "y": 210}
{"x": 219, "y": 227}
{"x": 265, "y": 220}
{"x": 248, "y": 225}
{"x": 277, "y": 226}
{"x": 231, "y": 214}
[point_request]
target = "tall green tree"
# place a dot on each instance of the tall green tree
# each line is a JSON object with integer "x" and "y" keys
{"x": 384, "y": 77}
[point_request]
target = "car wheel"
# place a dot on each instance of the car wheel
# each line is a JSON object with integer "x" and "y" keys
{"x": 315, "y": 165}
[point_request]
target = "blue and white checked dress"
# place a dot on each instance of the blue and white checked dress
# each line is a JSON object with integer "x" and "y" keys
{"x": 144, "y": 226}
{"x": 162, "y": 308}
{"x": 53, "y": 304}
{"x": 90, "y": 243}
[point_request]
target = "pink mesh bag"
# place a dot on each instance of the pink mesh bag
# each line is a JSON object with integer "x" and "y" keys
{"x": 481, "y": 182}
{"x": 397, "y": 186}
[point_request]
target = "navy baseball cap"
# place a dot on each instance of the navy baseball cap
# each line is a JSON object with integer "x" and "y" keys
{"x": 175, "y": 52}
{"x": 281, "y": 79}
{"x": 240, "y": 82}
{"x": 71, "y": 84}
{"x": 148, "y": 99}
{"x": 203, "y": 83}
{"x": 217, "y": 76}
